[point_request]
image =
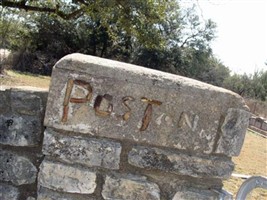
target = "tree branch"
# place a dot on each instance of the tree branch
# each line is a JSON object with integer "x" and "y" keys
{"x": 68, "y": 16}
{"x": 187, "y": 39}
{"x": 22, "y": 5}
{"x": 82, "y": 2}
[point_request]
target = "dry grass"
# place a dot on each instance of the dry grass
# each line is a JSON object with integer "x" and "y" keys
{"x": 13, "y": 78}
{"x": 251, "y": 161}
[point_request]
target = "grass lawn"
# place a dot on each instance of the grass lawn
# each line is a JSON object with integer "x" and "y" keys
{"x": 251, "y": 161}
{"x": 14, "y": 78}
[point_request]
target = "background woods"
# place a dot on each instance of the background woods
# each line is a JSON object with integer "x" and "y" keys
{"x": 156, "y": 34}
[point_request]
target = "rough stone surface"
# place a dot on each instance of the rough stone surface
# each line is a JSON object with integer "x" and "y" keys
{"x": 181, "y": 164}
{"x": 87, "y": 151}
{"x": 5, "y": 101}
{"x": 252, "y": 120}
{"x": 22, "y": 100}
{"x": 8, "y": 192}
{"x": 178, "y": 133}
{"x": 20, "y": 130}
{"x": 65, "y": 178}
{"x": 31, "y": 198}
{"x": 117, "y": 100}
{"x": 26, "y": 103}
{"x": 264, "y": 126}
{"x": 190, "y": 194}
{"x": 21, "y": 118}
{"x": 21, "y": 115}
{"x": 17, "y": 169}
{"x": 170, "y": 183}
{"x": 233, "y": 132}
{"x": 47, "y": 194}
{"x": 130, "y": 188}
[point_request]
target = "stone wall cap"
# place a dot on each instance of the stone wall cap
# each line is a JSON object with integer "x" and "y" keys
{"x": 105, "y": 67}
{"x": 116, "y": 100}
{"x": 23, "y": 88}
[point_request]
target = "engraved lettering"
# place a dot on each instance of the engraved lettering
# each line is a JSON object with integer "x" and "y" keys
{"x": 68, "y": 92}
{"x": 68, "y": 98}
{"x": 147, "y": 117}
{"x": 86, "y": 86}
{"x": 125, "y": 100}
{"x": 148, "y": 112}
{"x": 151, "y": 101}
{"x": 65, "y": 113}
{"x": 188, "y": 121}
{"x": 102, "y": 105}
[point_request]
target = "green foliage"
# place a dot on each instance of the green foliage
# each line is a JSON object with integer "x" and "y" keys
{"x": 187, "y": 47}
{"x": 158, "y": 34}
{"x": 12, "y": 32}
{"x": 253, "y": 86}
{"x": 11, "y": 29}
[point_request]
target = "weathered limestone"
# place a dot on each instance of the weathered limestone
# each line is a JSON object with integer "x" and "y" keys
{"x": 90, "y": 152}
{"x": 26, "y": 103}
{"x": 130, "y": 188}
{"x": 118, "y": 131}
{"x": 167, "y": 137}
{"x": 233, "y": 132}
{"x": 8, "y": 192}
{"x": 110, "y": 99}
{"x": 18, "y": 130}
{"x": 264, "y": 126}
{"x": 17, "y": 169}
{"x": 46, "y": 194}
{"x": 5, "y": 101}
{"x": 31, "y": 198}
{"x": 66, "y": 178}
{"x": 21, "y": 116}
{"x": 181, "y": 164}
{"x": 21, "y": 133}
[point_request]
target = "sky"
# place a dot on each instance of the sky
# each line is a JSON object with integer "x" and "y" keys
{"x": 241, "y": 42}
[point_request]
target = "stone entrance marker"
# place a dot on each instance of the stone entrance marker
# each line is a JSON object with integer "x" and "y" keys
{"x": 111, "y": 99}
{"x": 138, "y": 133}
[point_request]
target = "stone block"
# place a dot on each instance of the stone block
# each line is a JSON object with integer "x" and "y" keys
{"x": 192, "y": 194}
{"x": 31, "y": 198}
{"x": 20, "y": 130}
{"x": 16, "y": 169}
{"x": 47, "y": 194}
{"x": 181, "y": 164}
{"x": 8, "y": 192}
{"x": 130, "y": 188}
{"x": 5, "y": 101}
{"x": 258, "y": 124}
{"x": 111, "y": 99}
{"x": 252, "y": 121}
{"x": 233, "y": 132}
{"x": 87, "y": 151}
{"x": 264, "y": 126}
{"x": 26, "y": 102}
{"x": 60, "y": 177}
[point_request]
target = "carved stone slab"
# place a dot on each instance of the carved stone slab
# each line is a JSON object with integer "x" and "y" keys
{"x": 111, "y": 99}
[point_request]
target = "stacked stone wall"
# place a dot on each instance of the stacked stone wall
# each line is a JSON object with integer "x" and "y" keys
{"x": 118, "y": 131}
{"x": 21, "y": 132}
